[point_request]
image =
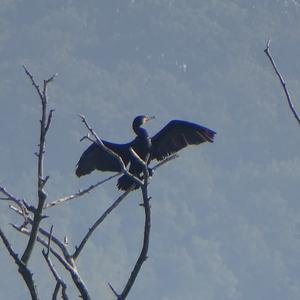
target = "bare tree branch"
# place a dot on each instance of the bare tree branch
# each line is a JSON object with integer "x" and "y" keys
{"x": 114, "y": 205}
{"x": 22, "y": 203}
{"x": 90, "y": 188}
{"x": 161, "y": 163}
{"x": 291, "y": 105}
{"x": 23, "y": 269}
{"x": 80, "y": 193}
{"x": 33, "y": 82}
{"x": 45, "y": 99}
{"x": 147, "y": 226}
{"x": 87, "y": 137}
{"x": 59, "y": 280}
{"x": 33, "y": 215}
{"x": 43, "y": 242}
{"x": 143, "y": 254}
{"x": 70, "y": 268}
{"x": 45, "y": 123}
{"x": 56, "y": 290}
{"x": 49, "y": 119}
{"x": 61, "y": 245}
{"x": 113, "y": 290}
{"x": 59, "y": 249}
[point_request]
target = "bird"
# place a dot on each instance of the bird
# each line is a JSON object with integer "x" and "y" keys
{"x": 176, "y": 135}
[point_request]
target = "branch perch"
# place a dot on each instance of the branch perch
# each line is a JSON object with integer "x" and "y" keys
{"x": 143, "y": 254}
{"x": 110, "y": 152}
{"x": 113, "y": 206}
{"x": 80, "y": 193}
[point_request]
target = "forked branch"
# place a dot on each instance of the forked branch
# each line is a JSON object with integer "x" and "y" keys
{"x": 59, "y": 280}
{"x": 44, "y": 126}
{"x": 71, "y": 268}
{"x": 112, "y": 207}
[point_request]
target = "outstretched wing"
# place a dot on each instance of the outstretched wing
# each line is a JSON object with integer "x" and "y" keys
{"x": 176, "y": 135}
{"x": 95, "y": 158}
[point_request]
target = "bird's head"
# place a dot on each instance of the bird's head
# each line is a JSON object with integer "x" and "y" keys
{"x": 140, "y": 120}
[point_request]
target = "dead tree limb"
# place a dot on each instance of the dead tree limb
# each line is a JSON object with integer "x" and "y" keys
{"x": 22, "y": 203}
{"x": 147, "y": 226}
{"x": 23, "y": 269}
{"x": 80, "y": 193}
{"x": 34, "y": 214}
{"x": 71, "y": 268}
{"x": 144, "y": 252}
{"x": 67, "y": 261}
{"x": 283, "y": 83}
{"x": 45, "y": 233}
{"x": 37, "y": 211}
{"x": 111, "y": 208}
{"x": 59, "y": 280}
{"x": 44, "y": 127}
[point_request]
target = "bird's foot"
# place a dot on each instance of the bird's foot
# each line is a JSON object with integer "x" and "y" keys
{"x": 150, "y": 170}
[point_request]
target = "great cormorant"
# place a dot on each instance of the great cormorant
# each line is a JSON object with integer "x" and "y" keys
{"x": 176, "y": 135}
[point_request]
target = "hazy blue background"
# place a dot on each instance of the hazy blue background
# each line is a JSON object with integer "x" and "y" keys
{"x": 226, "y": 216}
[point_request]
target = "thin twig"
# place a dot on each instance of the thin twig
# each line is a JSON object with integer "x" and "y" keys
{"x": 113, "y": 290}
{"x": 33, "y": 82}
{"x": 49, "y": 119}
{"x": 61, "y": 245}
{"x": 291, "y": 105}
{"x": 42, "y": 241}
{"x": 80, "y": 193}
{"x": 93, "y": 186}
{"x": 87, "y": 137}
{"x": 71, "y": 269}
{"x": 59, "y": 280}
{"x": 22, "y": 203}
{"x": 158, "y": 165}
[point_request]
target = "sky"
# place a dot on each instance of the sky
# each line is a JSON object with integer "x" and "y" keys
{"x": 225, "y": 216}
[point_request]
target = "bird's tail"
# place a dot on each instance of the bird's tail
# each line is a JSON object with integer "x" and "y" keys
{"x": 125, "y": 183}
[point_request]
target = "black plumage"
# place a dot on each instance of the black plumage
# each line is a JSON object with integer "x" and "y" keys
{"x": 173, "y": 137}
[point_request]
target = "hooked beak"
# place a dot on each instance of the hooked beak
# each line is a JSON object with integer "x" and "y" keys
{"x": 149, "y": 118}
